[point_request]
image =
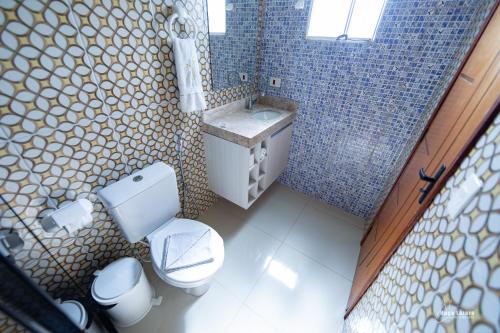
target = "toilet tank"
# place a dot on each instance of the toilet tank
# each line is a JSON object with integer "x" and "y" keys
{"x": 143, "y": 201}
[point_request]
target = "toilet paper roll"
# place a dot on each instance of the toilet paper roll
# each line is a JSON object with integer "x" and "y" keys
{"x": 71, "y": 217}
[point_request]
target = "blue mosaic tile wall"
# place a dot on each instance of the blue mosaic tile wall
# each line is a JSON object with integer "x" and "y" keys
{"x": 362, "y": 104}
{"x": 235, "y": 51}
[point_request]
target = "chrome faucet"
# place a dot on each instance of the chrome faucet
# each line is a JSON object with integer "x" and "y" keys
{"x": 250, "y": 103}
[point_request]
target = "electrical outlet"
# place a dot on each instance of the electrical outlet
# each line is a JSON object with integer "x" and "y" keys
{"x": 275, "y": 82}
{"x": 243, "y": 77}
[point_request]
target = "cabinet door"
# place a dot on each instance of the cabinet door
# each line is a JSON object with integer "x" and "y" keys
{"x": 279, "y": 147}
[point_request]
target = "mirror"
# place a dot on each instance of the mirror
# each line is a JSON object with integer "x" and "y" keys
{"x": 232, "y": 28}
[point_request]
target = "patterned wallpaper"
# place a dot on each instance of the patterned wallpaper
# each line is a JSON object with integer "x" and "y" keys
{"x": 362, "y": 104}
{"x": 445, "y": 276}
{"x": 88, "y": 95}
{"x": 235, "y": 51}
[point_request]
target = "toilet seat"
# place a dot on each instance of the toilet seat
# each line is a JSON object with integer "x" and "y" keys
{"x": 190, "y": 277}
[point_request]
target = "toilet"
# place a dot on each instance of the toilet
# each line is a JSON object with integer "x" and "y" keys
{"x": 144, "y": 205}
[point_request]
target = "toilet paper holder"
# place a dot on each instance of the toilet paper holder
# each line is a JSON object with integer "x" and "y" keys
{"x": 72, "y": 217}
{"x": 10, "y": 242}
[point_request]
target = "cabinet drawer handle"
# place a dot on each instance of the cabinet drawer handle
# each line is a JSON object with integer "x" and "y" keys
{"x": 280, "y": 130}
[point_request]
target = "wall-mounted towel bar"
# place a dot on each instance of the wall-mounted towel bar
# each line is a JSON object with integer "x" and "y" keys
{"x": 180, "y": 13}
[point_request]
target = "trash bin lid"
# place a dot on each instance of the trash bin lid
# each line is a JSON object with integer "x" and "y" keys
{"x": 76, "y": 312}
{"x": 117, "y": 279}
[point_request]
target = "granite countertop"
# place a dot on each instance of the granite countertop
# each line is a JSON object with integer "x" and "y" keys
{"x": 234, "y": 123}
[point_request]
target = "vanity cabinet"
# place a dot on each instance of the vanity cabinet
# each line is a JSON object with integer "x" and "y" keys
{"x": 241, "y": 174}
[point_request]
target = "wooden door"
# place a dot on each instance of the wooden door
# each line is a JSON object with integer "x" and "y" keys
{"x": 467, "y": 108}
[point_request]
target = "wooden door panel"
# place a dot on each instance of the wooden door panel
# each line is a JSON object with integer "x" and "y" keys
{"x": 390, "y": 207}
{"x": 452, "y": 108}
{"x": 368, "y": 243}
{"x": 448, "y": 150}
{"x": 482, "y": 56}
{"x": 466, "y": 108}
{"x": 445, "y": 136}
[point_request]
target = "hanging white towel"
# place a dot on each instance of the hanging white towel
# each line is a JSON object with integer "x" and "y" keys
{"x": 186, "y": 250}
{"x": 188, "y": 75}
{"x": 263, "y": 154}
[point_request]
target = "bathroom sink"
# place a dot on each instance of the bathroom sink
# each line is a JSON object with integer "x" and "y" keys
{"x": 265, "y": 114}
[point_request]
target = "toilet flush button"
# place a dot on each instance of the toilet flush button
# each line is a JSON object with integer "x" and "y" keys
{"x": 137, "y": 178}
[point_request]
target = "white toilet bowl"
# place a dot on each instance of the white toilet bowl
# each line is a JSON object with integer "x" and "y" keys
{"x": 195, "y": 280}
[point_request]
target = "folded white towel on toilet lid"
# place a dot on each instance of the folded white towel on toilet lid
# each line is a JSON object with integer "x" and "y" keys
{"x": 185, "y": 250}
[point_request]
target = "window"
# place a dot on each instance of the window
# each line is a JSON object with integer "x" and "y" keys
{"x": 358, "y": 19}
{"x": 217, "y": 16}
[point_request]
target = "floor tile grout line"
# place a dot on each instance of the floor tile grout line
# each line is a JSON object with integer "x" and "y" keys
{"x": 282, "y": 242}
{"x": 243, "y": 305}
{"x": 319, "y": 263}
{"x": 234, "y": 318}
{"x": 307, "y": 255}
{"x": 261, "y": 275}
{"x": 336, "y": 217}
{"x": 295, "y": 222}
{"x": 307, "y": 203}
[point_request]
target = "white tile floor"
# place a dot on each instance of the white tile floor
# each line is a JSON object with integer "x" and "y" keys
{"x": 289, "y": 266}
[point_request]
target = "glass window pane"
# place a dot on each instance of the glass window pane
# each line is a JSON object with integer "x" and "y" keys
{"x": 364, "y": 18}
{"x": 328, "y": 18}
{"x": 217, "y": 16}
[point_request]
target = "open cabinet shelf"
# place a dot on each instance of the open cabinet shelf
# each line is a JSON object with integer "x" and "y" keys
{"x": 241, "y": 174}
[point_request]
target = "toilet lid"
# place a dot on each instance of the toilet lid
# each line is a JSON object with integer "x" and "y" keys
{"x": 76, "y": 312}
{"x": 193, "y": 274}
{"x": 117, "y": 278}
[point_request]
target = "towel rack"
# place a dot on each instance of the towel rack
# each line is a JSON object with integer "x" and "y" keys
{"x": 180, "y": 13}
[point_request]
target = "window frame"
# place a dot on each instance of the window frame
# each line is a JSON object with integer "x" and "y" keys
{"x": 225, "y": 19}
{"x": 346, "y": 28}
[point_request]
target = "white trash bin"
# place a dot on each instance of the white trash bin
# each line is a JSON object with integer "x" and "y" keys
{"x": 78, "y": 315}
{"x": 123, "y": 288}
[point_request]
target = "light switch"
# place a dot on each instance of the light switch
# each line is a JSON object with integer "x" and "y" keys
{"x": 462, "y": 195}
{"x": 275, "y": 82}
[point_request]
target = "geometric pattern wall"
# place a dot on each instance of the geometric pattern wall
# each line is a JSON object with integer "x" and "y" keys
{"x": 445, "y": 276}
{"x": 88, "y": 95}
{"x": 363, "y": 104}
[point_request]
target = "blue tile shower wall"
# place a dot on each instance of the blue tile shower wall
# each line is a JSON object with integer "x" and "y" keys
{"x": 359, "y": 101}
{"x": 234, "y": 52}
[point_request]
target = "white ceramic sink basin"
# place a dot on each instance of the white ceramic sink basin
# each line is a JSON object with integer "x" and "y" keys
{"x": 265, "y": 114}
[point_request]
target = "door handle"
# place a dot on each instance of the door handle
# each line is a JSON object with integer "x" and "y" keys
{"x": 424, "y": 177}
{"x": 431, "y": 180}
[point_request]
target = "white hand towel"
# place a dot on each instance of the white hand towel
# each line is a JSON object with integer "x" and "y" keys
{"x": 263, "y": 154}
{"x": 185, "y": 250}
{"x": 188, "y": 75}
